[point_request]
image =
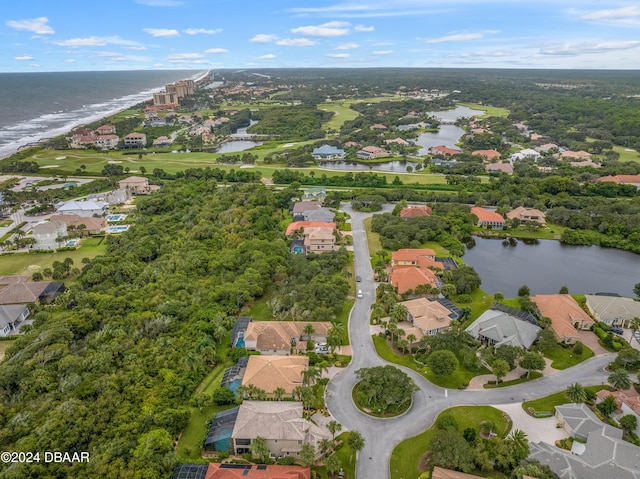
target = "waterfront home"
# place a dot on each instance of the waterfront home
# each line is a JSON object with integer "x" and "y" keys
{"x": 527, "y": 214}
{"x": 371, "y": 153}
{"x": 488, "y": 219}
{"x": 328, "y": 152}
{"x": 496, "y": 328}
{"x": 565, "y": 314}
{"x": 215, "y": 470}
{"x": 613, "y": 310}
{"x": 443, "y": 151}
{"x": 135, "y": 140}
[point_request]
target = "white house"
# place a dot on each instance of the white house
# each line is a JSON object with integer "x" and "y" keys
{"x": 46, "y": 235}
{"x": 11, "y": 315}
{"x": 86, "y": 209}
{"x": 526, "y": 153}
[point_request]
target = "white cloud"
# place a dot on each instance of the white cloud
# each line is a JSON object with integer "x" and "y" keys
{"x": 215, "y": 51}
{"x": 347, "y": 46}
{"x": 184, "y": 57}
{"x": 338, "y": 55}
{"x": 160, "y": 3}
{"x": 108, "y": 54}
{"x": 383, "y": 52}
{"x": 95, "y": 42}
{"x": 162, "y": 32}
{"x": 362, "y": 28}
{"x": 140, "y": 48}
{"x": 617, "y": 15}
{"x": 382, "y": 44}
{"x": 268, "y": 56}
{"x": 569, "y": 49}
{"x": 295, "y": 42}
{"x": 35, "y": 65}
{"x": 264, "y": 38}
{"x": 373, "y": 10}
{"x": 36, "y": 25}
{"x": 203, "y": 31}
{"x": 70, "y": 60}
{"x": 329, "y": 29}
{"x": 463, "y": 37}
{"x": 26, "y": 56}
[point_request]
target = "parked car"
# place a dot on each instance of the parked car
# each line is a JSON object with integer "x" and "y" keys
{"x": 358, "y": 279}
{"x": 360, "y": 295}
{"x": 616, "y": 330}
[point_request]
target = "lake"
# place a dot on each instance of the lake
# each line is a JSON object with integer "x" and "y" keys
{"x": 455, "y": 113}
{"x": 398, "y": 166}
{"x": 234, "y": 146}
{"x": 447, "y": 135}
{"x": 546, "y": 265}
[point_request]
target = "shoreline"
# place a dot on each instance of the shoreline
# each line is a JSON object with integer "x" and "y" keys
{"x": 37, "y": 138}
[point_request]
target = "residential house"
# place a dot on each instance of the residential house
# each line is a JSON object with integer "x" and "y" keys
{"x": 280, "y": 423}
{"x": 575, "y": 155}
{"x": 397, "y": 141}
{"x": 443, "y": 151}
{"x": 48, "y": 235}
{"x": 408, "y": 278}
{"x": 88, "y": 226}
{"x": 86, "y": 209}
{"x": 497, "y": 328}
{"x": 499, "y": 167}
{"x": 322, "y": 215}
{"x": 488, "y": 219}
{"x": 83, "y": 141}
{"x": 378, "y": 126}
{"x": 351, "y": 143}
{"x": 626, "y": 403}
{"x": 413, "y": 257}
{"x": 546, "y": 148}
{"x": 215, "y": 470}
{"x": 106, "y": 130}
{"x": 303, "y": 225}
{"x": 613, "y": 310}
{"x": 107, "y": 142}
{"x": 414, "y": 211}
{"x": 11, "y": 317}
{"x": 303, "y": 206}
{"x": 272, "y": 372}
{"x": 328, "y": 152}
{"x": 162, "y": 141}
{"x": 526, "y": 153}
{"x": 319, "y": 239}
{"x": 565, "y": 313}
{"x": 623, "y": 179}
{"x": 585, "y": 164}
{"x": 315, "y": 193}
{"x": 371, "y": 153}
{"x": 527, "y": 214}
{"x": 137, "y": 185}
{"x": 21, "y": 291}
{"x": 487, "y": 154}
{"x": 135, "y": 140}
{"x": 431, "y": 317}
{"x": 277, "y": 338}
{"x": 604, "y": 454}
{"x": 208, "y": 138}
{"x": 440, "y": 473}
{"x": 115, "y": 197}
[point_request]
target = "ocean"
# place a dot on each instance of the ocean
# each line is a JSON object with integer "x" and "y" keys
{"x": 43, "y": 105}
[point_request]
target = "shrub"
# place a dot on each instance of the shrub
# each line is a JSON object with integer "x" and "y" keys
{"x": 222, "y": 455}
{"x": 447, "y": 421}
{"x": 464, "y": 299}
{"x": 578, "y": 348}
{"x": 285, "y": 461}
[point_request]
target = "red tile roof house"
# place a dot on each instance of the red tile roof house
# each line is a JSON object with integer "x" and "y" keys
{"x": 566, "y": 315}
{"x": 371, "y": 152}
{"x": 308, "y": 224}
{"x": 443, "y": 150}
{"x": 623, "y": 179}
{"x": 256, "y": 471}
{"x": 499, "y": 167}
{"x": 487, "y": 154}
{"x": 377, "y": 126}
{"x": 488, "y": 219}
{"x": 106, "y": 130}
{"x": 414, "y": 211}
{"x": 412, "y": 267}
{"x": 527, "y": 214}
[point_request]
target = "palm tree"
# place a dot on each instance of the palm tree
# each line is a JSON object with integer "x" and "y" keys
{"x": 411, "y": 338}
{"x": 635, "y": 326}
{"x": 398, "y": 312}
{"x": 308, "y": 331}
{"x": 620, "y": 379}
{"x": 311, "y": 375}
{"x": 519, "y": 438}
{"x": 334, "y": 427}
{"x": 337, "y": 328}
{"x": 279, "y": 393}
{"x": 333, "y": 464}
{"x": 576, "y": 393}
{"x": 325, "y": 445}
{"x": 356, "y": 442}
{"x": 377, "y": 311}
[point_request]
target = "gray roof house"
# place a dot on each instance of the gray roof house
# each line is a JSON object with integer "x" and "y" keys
{"x": 304, "y": 206}
{"x": 498, "y": 328}
{"x": 279, "y": 422}
{"x": 328, "y": 152}
{"x": 322, "y": 214}
{"x": 47, "y": 235}
{"x": 86, "y": 209}
{"x": 605, "y": 454}
{"x": 11, "y": 316}
{"x": 613, "y": 310}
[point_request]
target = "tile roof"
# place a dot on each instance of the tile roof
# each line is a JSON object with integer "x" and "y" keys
{"x": 308, "y": 224}
{"x": 270, "y": 335}
{"x": 256, "y": 471}
{"x": 487, "y": 215}
{"x": 523, "y": 213}
{"x": 490, "y": 154}
{"x": 503, "y": 328}
{"x": 563, "y": 311}
{"x": 443, "y": 150}
{"x": 428, "y": 315}
{"x": 609, "y": 308}
{"x": 624, "y": 179}
{"x": 413, "y": 211}
{"x": 440, "y": 473}
{"x": 406, "y": 278}
{"x": 272, "y": 372}
{"x": 500, "y": 166}
{"x": 302, "y": 206}
{"x": 411, "y": 254}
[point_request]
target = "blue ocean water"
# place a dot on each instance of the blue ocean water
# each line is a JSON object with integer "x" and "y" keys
{"x": 43, "y": 105}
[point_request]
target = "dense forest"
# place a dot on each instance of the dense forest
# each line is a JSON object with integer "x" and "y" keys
{"x": 110, "y": 368}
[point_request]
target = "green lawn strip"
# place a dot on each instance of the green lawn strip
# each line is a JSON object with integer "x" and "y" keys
{"x": 344, "y": 454}
{"x": 513, "y": 382}
{"x": 480, "y": 302}
{"x": 564, "y": 358}
{"x": 190, "y": 442}
{"x": 373, "y": 239}
{"x": 458, "y": 379}
{"x": 550, "y": 232}
{"x": 488, "y": 110}
{"x": 548, "y": 404}
{"x": 343, "y": 318}
{"x": 341, "y": 111}
{"x": 406, "y": 455}
{"x": 29, "y": 263}
{"x": 435, "y": 246}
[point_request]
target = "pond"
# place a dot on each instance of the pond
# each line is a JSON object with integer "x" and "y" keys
{"x": 455, "y": 113}
{"x": 547, "y": 265}
{"x": 398, "y": 166}
{"x": 447, "y": 135}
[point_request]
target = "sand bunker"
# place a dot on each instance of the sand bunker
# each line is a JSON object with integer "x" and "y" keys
{"x": 61, "y": 157}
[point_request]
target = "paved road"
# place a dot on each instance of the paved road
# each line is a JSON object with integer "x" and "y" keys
{"x": 382, "y": 435}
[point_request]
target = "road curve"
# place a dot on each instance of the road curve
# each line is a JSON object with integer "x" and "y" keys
{"x": 382, "y": 435}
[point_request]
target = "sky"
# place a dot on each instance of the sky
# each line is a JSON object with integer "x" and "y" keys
{"x": 74, "y": 35}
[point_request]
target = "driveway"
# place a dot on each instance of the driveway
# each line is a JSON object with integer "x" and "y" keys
{"x": 590, "y": 340}
{"x": 382, "y": 435}
{"x": 542, "y": 429}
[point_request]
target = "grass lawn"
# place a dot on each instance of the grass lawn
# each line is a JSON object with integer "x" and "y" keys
{"x": 29, "y": 263}
{"x": 342, "y": 113}
{"x": 435, "y": 246}
{"x": 259, "y": 310}
{"x": 343, "y": 318}
{"x": 564, "y": 358}
{"x": 406, "y": 455}
{"x": 373, "y": 239}
{"x": 488, "y": 110}
{"x": 549, "y": 403}
{"x": 551, "y": 231}
{"x": 480, "y": 302}
{"x": 513, "y": 382}
{"x": 458, "y": 379}
{"x": 344, "y": 454}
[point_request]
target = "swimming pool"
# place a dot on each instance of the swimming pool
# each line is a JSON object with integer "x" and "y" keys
{"x": 72, "y": 243}
{"x": 113, "y": 218}
{"x": 116, "y": 229}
